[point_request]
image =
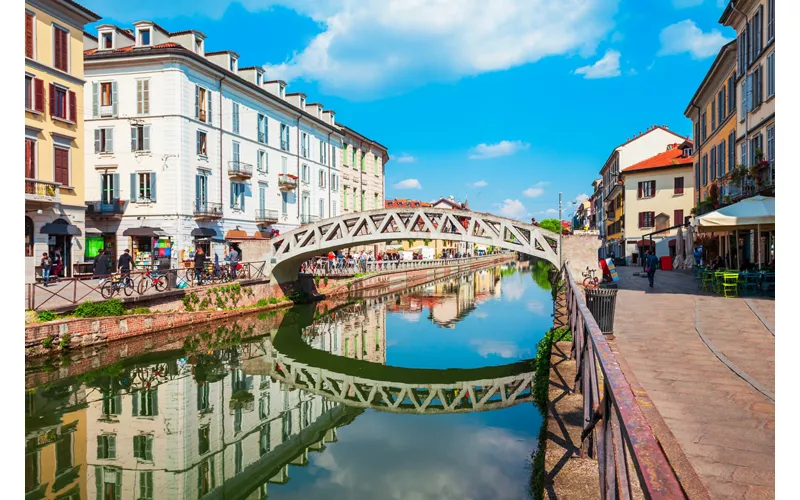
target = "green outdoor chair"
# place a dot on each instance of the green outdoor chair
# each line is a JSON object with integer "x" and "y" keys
{"x": 707, "y": 280}
{"x": 730, "y": 284}
{"x": 717, "y": 280}
{"x": 748, "y": 283}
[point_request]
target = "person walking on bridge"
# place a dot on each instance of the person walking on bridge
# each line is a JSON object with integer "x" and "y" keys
{"x": 651, "y": 261}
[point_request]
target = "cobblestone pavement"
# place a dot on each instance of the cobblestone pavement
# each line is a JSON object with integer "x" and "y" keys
{"x": 708, "y": 365}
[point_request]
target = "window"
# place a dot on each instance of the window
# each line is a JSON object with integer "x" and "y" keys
{"x": 322, "y": 152}
{"x": 237, "y": 195}
{"x": 235, "y": 118}
{"x": 721, "y": 105}
{"x": 104, "y": 140}
{"x": 264, "y": 445}
{"x": 334, "y": 153}
{"x": 744, "y": 153}
{"x": 284, "y": 137}
{"x": 375, "y": 202}
{"x": 63, "y": 103}
{"x": 705, "y": 169}
{"x": 203, "y": 402}
{"x": 353, "y": 156}
{"x": 30, "y": 158}
{"x": 144, "y": 37}
{"x": 28, "y": 92}
{"x": 731, "y": 93}
{"x": 237, "y": 458}
{"x": 235, "y": 154}
{"x": 282, "y": 91}
{"x": 202, "y": 143}
{"x": 647, "y": 189}
{"x": 105, "y": 94}
{"x": 696, "y": 136}
{"x": 204, "y": 444}
{"x": 143, "y": 97}
{"x": 770, "y": 20}
{"x": 107, "y": 447}
{"x": 721, "y": 153}
{"x": 756, "y": 88}
{"x": 107, "y": 40}
{"x": 145, "y": 485}
{"x": 744, "y": 101}
{"x": 334, "y": 182}
{"x": 305, "y": 174}
{"x": 678, "y": 185}
{"x": 731, "y": 151}
{"x": 284, "y": 203}
{"x": 104, "y": 99}
{"x": 262, "y": 129}
{"x": 703, "y": 124}
{"x": 321, "y": 178}
{"x": 771, "y": 145}
{"x": 140, "y": 138}
{"x": 60, "y": 48}
{"x": 646, "y": 219}
{"x": 363, "y": 200}
{"x": 145, "y": 402}
{"x": 303, "y": 144}
{"x": 202, "y": 104}
{"x": 363, "y": 166}
{"x": 233, "y": 64}
{"x": 678, "y": 217}
{"x": 30, "y": 39}
{"x": 697, "y": 176}
{"x": 758, "y": 23}
{"x": 64, "y": 460}
{"x": 143, "y": 447}
{"x": 61, "y": 164}
{"x": 771, "y": 74}
{"x": 333, "y": 210}
{"x": 713, "y": 163}
{"x": 144, "y": 184}
{"x": 713, "y": 116}
{"x": 261, "y": 162}
{"x": 302, "y": 102}
{"x": 109, "y": 188}
{"x": 376, "y": 164}
{"x": 756, "y": 149}
{"x": 346, "y": 193}
{"x": 321, "y": 208}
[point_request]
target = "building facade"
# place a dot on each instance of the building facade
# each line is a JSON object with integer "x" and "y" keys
{"x": 596, "y": 220}
{"x": 54, "y": 132}
{"x": 712, "y": 110}
{"x": 657, "y": 196}
{"x": 638, "y": 148}
{"x": 754, "y": 22}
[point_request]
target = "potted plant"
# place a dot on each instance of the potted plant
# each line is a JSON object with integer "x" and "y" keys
{"x": 727, "y": 198}
{"x": 738, "y": 173}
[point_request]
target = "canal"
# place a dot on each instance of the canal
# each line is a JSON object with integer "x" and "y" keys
{"x": 418, "y": 394}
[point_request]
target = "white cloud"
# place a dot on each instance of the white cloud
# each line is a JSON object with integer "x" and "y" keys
{"x": 480, "y": 184}
{"x": 502, "y": 148}
{"x": 581, "y": 198}
{"x": 507, "y": 350}
{"x": 682, "y": 4}
{"x": 408, "y": 184}
{"x": 513, "y": 290}
{"x": 547, "y": 212}
{"x": 411, "y": 317}
{"x": 405, "y": 158}
{"x": 512, "y": 208}
{"x": 536, "y": 307}
{"x": 685, "y": 36}
{"x": 480, "y": 314}
{"x": 536, "y": 190}
{"x": 371, "y": 48}
{"x": 607, "y": 67}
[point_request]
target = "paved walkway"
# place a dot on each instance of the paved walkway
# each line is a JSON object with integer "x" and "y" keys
{"x": 708, "y": 365}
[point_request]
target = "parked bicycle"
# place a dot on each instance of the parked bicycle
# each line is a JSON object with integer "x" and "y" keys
{"x": 109, "y": 287}
{"x": 589, "y": 279}
{"x": 152, "y": 279}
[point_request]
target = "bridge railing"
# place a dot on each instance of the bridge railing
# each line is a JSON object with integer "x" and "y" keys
{"x": 321, "y": 267}
{"x": 615, "y": 431}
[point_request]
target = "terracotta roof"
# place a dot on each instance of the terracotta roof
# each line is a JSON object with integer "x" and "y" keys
{"x": 672, "y": 157}
{"x": 129, "y": 33}
{"x": 129, "y": 48}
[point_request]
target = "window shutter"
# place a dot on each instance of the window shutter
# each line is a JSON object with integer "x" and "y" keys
{"x": 139, "y": 96}
{"x": 155, "y": 413}
{"x": 233, "y": 195}
{"x": 52, "y": 100}
{"x": 641, "y": 219}
{"x": 73, "y": 107}
{"x": 115, "y": 187}
{"x": 57, "y": 43}
{"x": 118, "y": 489}
{"x": 197, "y": 103}
{"x": 114, "y": 99}
{"x": 242, "y": 190}
{"x": 28, "y": 35}
{"x": 639, "y": 193}
{"x": 134, "y": 138}
{"x": 146, "y": 99}
{"x": 110, "y": 140}
{"x": 95, "y": 99}
{"x": 112, "y": 442}
{"x": 146, "y": 139}
{"x": 208, "y": 115}
{"x": 38, "y": 95}
{"x": 97, "y": 140}
{"x": 198, "y": 142}
{"x": 134, "y": 188}
{"x": 197, "y": 189}
{"x": 135, "y": 410}
{"x": 152, "y": 186}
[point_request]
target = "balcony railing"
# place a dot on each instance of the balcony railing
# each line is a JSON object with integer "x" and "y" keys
{"x": 101, "y": 208}
{"x": 287, "y": 182}
{"x": 308, "y": 218}
{"x": 240, "y": 169}
{"x": 266, "y": 215}
{"x": 206, "y": 210}
{"x": 42, "y": 191}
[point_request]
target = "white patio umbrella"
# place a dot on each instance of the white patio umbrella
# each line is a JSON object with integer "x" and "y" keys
{"x": 677, "y": 263}
{"x": 688, "y": 262}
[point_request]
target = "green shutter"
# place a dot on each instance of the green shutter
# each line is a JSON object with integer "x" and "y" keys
{"x": 98, "y": 480}
{"x": 135, "y": 405}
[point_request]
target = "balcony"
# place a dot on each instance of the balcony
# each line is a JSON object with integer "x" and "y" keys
{"x": 102, "y": 210}
{"x": 42, "y": 191}
{"x": 207, "y": 211}
{"x": 266, "y": 215}
{"x": 240, "y": 169}
{"x": 287, "y": 182}
{"x": 308, "y": 219}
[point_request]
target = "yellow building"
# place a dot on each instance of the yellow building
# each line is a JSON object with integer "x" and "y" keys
{"x": 54, "y": 177}
{"x": 712, "y": 110}
{"x": 615, "y": 220}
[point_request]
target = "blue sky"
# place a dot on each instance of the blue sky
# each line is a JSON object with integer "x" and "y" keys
{"x": 505, "y": 102}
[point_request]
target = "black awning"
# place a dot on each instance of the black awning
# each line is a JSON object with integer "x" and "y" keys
{"x": 204, "y": 232}
{"x": 55, "y": 229}
{"x": 153, "y": 232}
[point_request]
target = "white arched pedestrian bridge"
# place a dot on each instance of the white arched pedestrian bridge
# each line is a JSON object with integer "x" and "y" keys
{"x": 291, "y": 249}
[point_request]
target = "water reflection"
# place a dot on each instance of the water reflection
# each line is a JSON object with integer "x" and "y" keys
{"x": 315, "y": 392}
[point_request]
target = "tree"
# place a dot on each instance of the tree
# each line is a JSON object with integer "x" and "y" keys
{"x": 551, "y": 225}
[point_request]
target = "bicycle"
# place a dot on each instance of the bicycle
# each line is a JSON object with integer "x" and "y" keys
{"x": 154, "y": 279}
{"x": 115, "y": 284}
{"x": 589, "y": 279}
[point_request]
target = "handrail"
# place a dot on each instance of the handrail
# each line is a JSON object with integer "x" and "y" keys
{"x": 316, "y": 268}
{"x": 615, "y": 429}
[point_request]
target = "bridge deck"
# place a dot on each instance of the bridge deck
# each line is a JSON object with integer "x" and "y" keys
{"x": 684, "y": 348}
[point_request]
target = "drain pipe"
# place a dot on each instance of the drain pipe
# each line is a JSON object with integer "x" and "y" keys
{"x": 744, "y": 73}
{"x": 699, "y": 150}
{"x": 220, "y": 141}
{"x": 328, "y": 164}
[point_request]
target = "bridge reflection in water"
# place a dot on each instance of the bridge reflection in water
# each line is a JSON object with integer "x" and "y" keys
{"x": 239, "y": 406}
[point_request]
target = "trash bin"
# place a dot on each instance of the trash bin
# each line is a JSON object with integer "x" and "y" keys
{"x": 602, "y": 304}
{"x": 666, "y": 263}
{"x": 163, "y": 268}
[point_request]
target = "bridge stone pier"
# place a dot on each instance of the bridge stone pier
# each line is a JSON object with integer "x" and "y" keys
{"x": 291, "y": 249}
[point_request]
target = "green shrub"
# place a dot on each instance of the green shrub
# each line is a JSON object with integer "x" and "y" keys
{"x": 262, "y": 302}
{"x": 110, "y": 307}
{"x": 273, "y": 300}
{"x": 326, "y": 281}
{"x": 47, "y": 342}
{"x": 316, "y": 280}
{"x": 64, "y": 342}
{"x": 46, "y": 316}
{"x": 139, "y": 310}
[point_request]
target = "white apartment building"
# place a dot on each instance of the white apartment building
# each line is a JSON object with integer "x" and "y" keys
{"x": 186, "y": 148}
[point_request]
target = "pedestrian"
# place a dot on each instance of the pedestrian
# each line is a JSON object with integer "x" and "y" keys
{"x": 101, "y": 265}
{"x": 57, "y": 263}
{"x": 651, "y": 261}
{"x": 125, "y": 262}
{"x": 233, "y": 255}
{"x": 363, "y": 259}
{"x": 331, "y": 257}
{"x": 46, "y": 264}
{"x": 199, "y": 264}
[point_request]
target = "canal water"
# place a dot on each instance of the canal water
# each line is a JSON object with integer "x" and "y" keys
{"x": 420, "y": 394}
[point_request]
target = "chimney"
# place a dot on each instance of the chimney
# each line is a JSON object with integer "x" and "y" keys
{"x": 276, "y": 87}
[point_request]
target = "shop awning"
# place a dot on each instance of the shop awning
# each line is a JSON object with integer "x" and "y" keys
{"x": 750, "y": 213}
{"x": 93, "y": 233}
{"x": 644, "y": 243}
{"x": 236, "y": 234}
{"x": 56, "y": 229}
{"x": 153, "y": 232}
{"x": 204, "y": 232}
{"x": 672, "y": 243}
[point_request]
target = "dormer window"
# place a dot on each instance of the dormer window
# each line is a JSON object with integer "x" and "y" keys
{"x": 198, "y": 45}
{"x": 233, "y": 64}
{"x": 258, "y": 79}
{"x": 107, "y": 40}
{"x": 144, "y": 37}
{"x": 302, "y": 102}
{"x": 282, "y": 91}
{"x": 687, "y": 152}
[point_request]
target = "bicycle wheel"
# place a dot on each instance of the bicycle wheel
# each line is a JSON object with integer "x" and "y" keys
{"x": 143, "y": 285}
{"x": 589, "y": 283}
{"x": 160, "y": 283}
{"x": 107, "y": 290}
{"x": 128, "y": 287}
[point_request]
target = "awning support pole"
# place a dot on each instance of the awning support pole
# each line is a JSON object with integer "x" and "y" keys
{"x": 758, "y": 242}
